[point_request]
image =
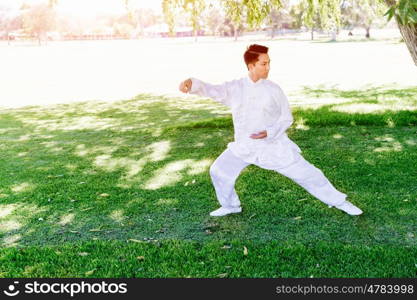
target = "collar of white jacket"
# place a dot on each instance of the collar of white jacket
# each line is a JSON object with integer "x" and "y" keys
{"x": 250, "y": 81}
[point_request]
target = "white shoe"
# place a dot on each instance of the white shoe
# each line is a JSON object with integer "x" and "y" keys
{"x": 349, "y": 208}
{"x": 223, "y": 211}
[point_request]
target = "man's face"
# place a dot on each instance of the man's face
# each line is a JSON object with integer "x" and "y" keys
{"x": 261, "y": 68}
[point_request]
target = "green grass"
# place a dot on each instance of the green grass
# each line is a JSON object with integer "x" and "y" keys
{"x": 122, "y": 190}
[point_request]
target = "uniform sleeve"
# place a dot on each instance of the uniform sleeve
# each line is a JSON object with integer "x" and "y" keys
{"x": 284, "y": 121}
{"x": 220, "y": 93}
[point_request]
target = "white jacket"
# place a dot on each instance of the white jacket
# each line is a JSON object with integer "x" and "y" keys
{"x": 255, "y": 106}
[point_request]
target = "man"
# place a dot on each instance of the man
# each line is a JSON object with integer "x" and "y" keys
{"x": 261, "y": 115}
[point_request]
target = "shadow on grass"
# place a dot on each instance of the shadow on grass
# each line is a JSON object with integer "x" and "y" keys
{"x": 99, "y": 171}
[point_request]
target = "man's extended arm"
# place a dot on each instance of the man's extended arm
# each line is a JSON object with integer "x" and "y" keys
{"x": 219, "y": 92}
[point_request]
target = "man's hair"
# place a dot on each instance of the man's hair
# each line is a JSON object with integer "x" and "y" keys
{"x": 252, "y": 53}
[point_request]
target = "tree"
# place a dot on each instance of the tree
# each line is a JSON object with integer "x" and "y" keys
{"x": 279, "y": 16}
{"x": 235, "y": 10}
{"x": 214, "y": 20}
{"x": 169, "y": 9}
{"x": 310, "y": 16}
{"x": 327, "y": 12}
{"x": 330, "y": 16}
{"x": 194, "y": 8}
{"x": 9, "y": 21}
{"x": 130, "y": 13}
{"x": 253, "y": 12}
{"x": 145, "y": 17}
{"x": 362, "y": 13}
{"x": 405, "y": 13}
{"x": 38, "y": 20}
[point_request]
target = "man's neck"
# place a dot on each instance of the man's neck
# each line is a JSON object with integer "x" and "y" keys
{"x": 252, "y": 77}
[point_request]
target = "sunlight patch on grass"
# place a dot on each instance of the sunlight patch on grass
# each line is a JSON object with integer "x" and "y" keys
{"x": 360, "y": 108}
{"x": 82, "y": 150}
{"x": 53, "y": 146}
{"x": 23, "y": 187}
{"x": 390, "y": 123}
{"x": 300, "y": 124}
{"x": 157, "y": 132}
{"x": 11, "y": 240}
{"x": 25, "y": 137}
{"x": 9, "y": 225}
{"x": 71, "y": 167}
{"x": 20, "y": 211}
{"x": 117, "y": 215}
{"x": 6, "y": 130}
{"x": 411, "y": 142}
{"x": 337, "y": 136}
{"x": 389, "y": 144}
{"x": 369, "y": 161}
{"x": 66, "y": 219}
{"x": 159, "y": 150}
{"x": 396, "y": 146}
{"x": 15, "y": 216}
{"x": 110, "y": 164}
{"x": 124, "y": 185}
{"x": 50, "y": 144}
{"x": 167, "y": 201}
{"x": 171, "y": 173}
{"x": 7, "y": 209}
{"x": 134, "y": 168}
{"x": 28, "y": 137}
{"x": 200, "y": 166}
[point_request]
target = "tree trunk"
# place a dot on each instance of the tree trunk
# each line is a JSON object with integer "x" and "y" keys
{"x": 409, "y": 33}
{"x": 312, "y": 33}
{"x": 274, "y": 28}
{"x": 334, "y": 35}
{"x": 235, "y": 33}
{"x": 367, "y": 32}
{"x": 195, "y": 35}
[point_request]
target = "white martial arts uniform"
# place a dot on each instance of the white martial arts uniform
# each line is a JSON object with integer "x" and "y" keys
{"x": 258, "y": 106}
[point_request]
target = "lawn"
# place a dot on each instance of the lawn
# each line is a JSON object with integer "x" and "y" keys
{"x": 96, "y": 189}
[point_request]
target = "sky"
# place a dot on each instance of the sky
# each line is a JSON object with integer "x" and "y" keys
{"x": 89, "y": 7}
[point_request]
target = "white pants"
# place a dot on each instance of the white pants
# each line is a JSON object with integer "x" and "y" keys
{"x": 227, "y": 167}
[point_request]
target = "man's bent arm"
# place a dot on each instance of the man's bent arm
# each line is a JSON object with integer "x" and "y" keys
{"x": 284, "y": 122}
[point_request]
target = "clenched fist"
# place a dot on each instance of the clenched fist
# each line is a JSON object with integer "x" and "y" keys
{"x": 260, "y": 135}
{"x": 185, "y": 86}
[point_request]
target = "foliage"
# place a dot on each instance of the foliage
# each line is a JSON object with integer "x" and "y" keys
{"x": 405, "y": 11}
{"x": 169, "y": 8}
{"x": 253, "y": 12}
{"x": 38, "y": 19}
{"x": 214, "y": 20}
{"x": 323, "y": 14}
{"x": 363, "y": 13}
{"x": 194, "y": 8}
